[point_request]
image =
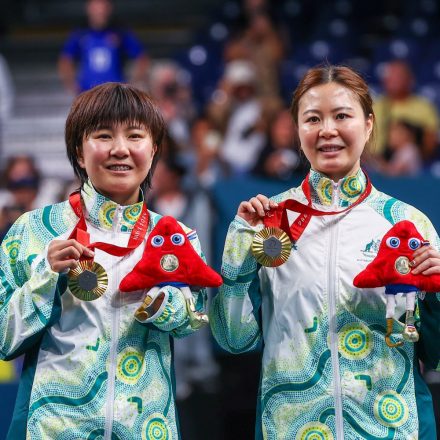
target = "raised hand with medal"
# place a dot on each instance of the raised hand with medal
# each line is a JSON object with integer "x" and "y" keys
{"x": 272, "y": 245}
{"x": 88, "y": 279}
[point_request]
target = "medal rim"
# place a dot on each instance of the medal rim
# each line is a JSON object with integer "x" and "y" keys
{"x": 88, "y": 295}
{"x": 258, "y": 247}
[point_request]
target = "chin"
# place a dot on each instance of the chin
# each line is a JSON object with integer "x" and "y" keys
{"x": 337, "y": 169}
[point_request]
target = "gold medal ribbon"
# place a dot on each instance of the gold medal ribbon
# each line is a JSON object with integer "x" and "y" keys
{"x": 269, "y": 246}
{"x": 277, "y": 217}
{"x": 89, "y": 281}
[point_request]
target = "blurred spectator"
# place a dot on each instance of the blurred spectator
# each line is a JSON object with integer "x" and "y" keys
{"x": 194, "y": 362}
{"x": 167, "y": 196}
{"x": 236, "y": 108}
{"x": 261, "y": 44}
{"x": 399, "y": 102}
{"x": 23, "y": 190}
{"x": 169, "y": 87}
{"x": 206, "y": 140}
{"x": 99, "y": 51}
{"x": 280, "y": 157}
{"x": 21, "y": 181}
{"x": 404, "y": 145}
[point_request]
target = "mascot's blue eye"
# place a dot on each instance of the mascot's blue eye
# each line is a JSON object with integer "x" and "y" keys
{"x": 414, "y": 243}
{"x": 178, "y": 239}
{"x": 393, "y": 242}
{"x": 157, "y": 241}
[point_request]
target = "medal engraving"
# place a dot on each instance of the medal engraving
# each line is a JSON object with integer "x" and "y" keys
{"x": 88, "y": 281}
{"x": 271, "y": 247}
{"x": 402, "y": 265}
{"x": 169, "y": 263}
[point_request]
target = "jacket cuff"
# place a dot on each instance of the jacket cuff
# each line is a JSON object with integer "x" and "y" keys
{"x": 172, "y": 312}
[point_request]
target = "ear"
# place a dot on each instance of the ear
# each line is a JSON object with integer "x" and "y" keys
{"x": 80, "y": 157}
{"x": 153, "y": 151}
{"x": 369, "y": 125}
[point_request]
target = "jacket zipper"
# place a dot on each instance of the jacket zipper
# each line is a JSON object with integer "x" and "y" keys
{"x": 332, "y": 291}
{"x": 114, "y": 335}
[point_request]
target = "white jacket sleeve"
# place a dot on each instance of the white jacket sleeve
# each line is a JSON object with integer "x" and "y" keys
{"x": 234, "y": 313}
{"x": 29, "y": 291}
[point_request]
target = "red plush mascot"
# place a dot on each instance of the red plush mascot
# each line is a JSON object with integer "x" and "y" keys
{"x": 170, "y": 259}
{"x": 391, "y": 268}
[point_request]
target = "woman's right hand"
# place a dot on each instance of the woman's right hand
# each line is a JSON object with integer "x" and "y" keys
{"x": 64, "y": 254}
{"x": 254, "y": 210}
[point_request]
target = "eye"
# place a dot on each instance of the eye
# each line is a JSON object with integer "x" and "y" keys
{"x": 312, "y": 119}
{"x": 136, "y": 135}
{"x": 102, "y": 136}
{"x": 414, "y": 243}
{"x": 341, "y": 116}
{"x": 178, "y": 239}
{"x": 393, "y": 242}
{"x": 157, "y": 241}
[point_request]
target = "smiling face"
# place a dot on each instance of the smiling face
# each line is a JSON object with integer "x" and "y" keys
{"x": 333, "y": 129}
{"x": 117, "y": 160}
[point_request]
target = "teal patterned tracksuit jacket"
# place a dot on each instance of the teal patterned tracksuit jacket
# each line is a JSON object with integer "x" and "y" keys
{"x": 327, "y": 372}
{"x": 91, "y": 370}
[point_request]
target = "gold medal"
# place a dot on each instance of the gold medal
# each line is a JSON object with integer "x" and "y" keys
{"x": 169, "y": 263}
{"x": 88, "y": 281}
{"x": 402, "y": 265}
{"x": 271, "y": 247}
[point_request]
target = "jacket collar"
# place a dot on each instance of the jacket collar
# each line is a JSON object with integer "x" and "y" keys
{"x": 106, "y": 214}
{"x": 325, "y": 192}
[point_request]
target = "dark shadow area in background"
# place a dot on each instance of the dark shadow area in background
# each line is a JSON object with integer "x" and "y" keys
{"x": 229, "y": 414}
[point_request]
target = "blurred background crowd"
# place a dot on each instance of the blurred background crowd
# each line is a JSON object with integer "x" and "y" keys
{"x": 223, "y": 73}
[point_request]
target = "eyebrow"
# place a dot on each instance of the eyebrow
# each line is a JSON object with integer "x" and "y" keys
{"x": 337, "y": 109}
{"x": 102, "y": 127}
{"x": 135, "y": 127}
{"x": 111, "y": 127}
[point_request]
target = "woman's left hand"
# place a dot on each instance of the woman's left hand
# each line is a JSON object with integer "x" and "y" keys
{"x": 426, "y": 261}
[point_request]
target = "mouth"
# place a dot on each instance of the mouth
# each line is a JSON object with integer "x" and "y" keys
{"x": 330, "y": 148}
{"x": 119, "y": 167}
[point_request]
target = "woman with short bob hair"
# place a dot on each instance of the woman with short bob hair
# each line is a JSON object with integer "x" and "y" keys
{"x": 91, "y": 368}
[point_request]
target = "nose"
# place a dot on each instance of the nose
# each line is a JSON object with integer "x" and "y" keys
{"x": 328, "y": 129}
{"x": 119, "y": 147}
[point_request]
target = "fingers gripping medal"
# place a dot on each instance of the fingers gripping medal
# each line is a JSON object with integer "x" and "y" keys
{"x": 272, "y": 245}
{"x": 88, "y": 281}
